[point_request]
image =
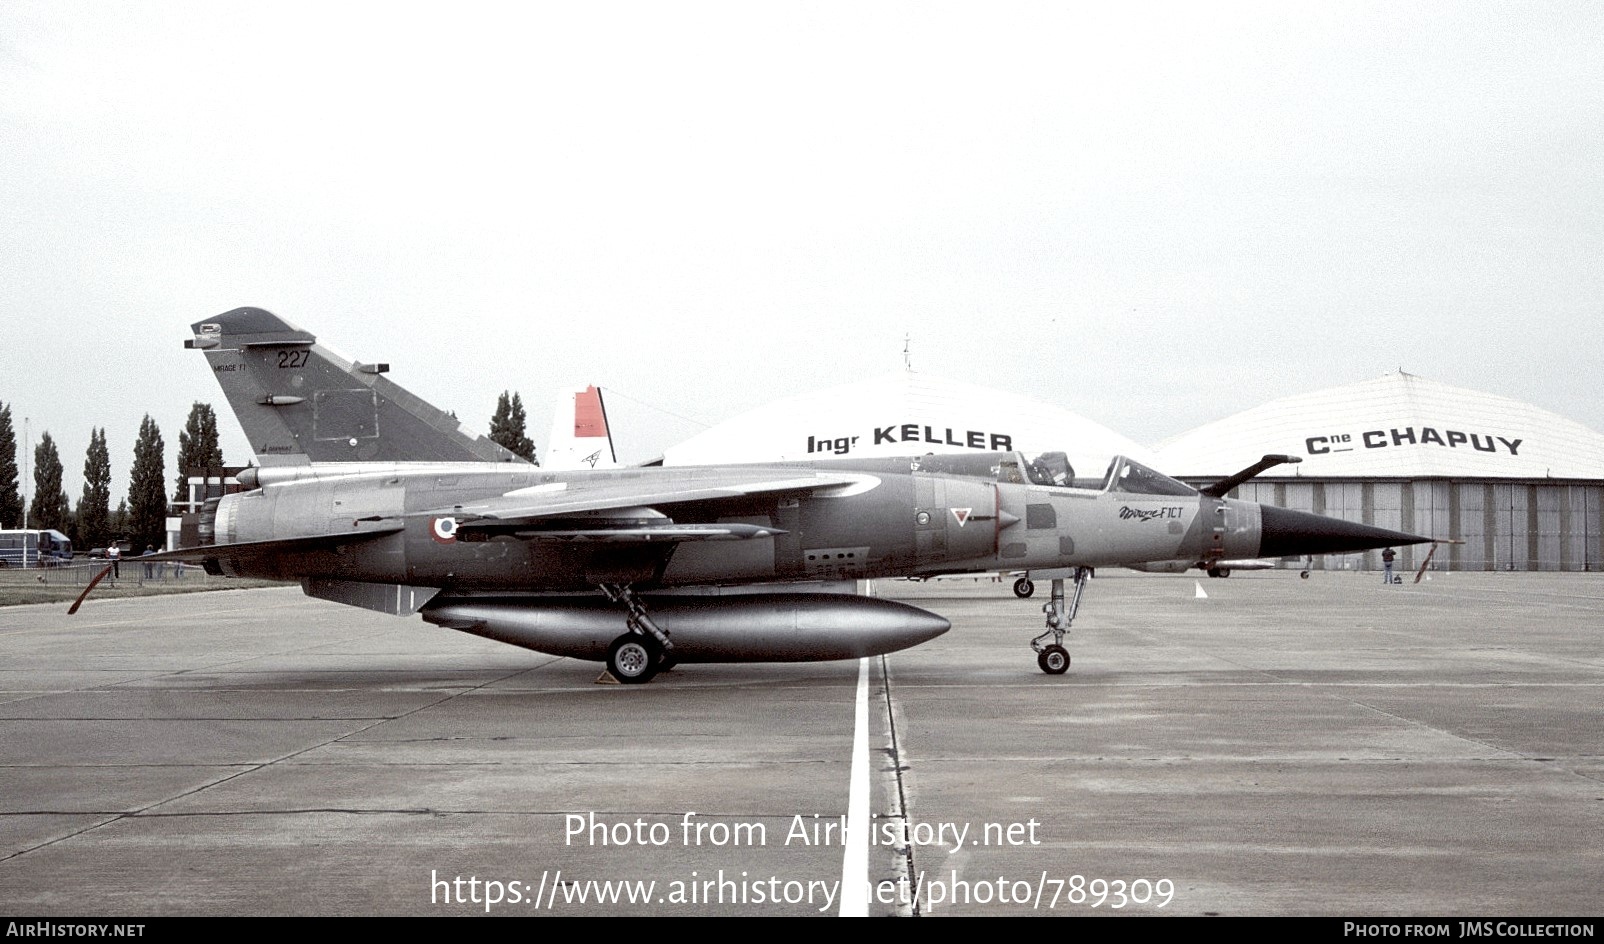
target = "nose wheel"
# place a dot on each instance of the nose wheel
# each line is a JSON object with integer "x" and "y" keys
{"x": 1052, "y": 657}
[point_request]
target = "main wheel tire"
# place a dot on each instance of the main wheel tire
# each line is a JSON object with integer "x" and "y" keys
{"x": 1304, "y": 575}
{"x": 632, "y": 659}
{"x": 1054, "y": 660}
{"x": 1213, "y": 571}
{"x": 1023, "y": 588}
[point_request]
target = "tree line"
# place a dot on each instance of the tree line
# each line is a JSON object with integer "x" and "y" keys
{"x": 140, "y": 518}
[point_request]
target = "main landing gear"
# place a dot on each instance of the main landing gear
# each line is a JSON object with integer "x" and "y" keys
{"x": 645, "y": 650}
{"x": 1053, "y": 657}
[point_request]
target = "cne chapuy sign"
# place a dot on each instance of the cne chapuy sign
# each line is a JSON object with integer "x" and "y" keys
{"x": 1410, "y": 436}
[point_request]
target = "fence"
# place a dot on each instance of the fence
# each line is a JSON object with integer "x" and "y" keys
{"x": 79, "y": 573}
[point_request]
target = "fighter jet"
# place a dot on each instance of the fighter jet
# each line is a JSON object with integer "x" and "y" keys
{"x": 368, "y": 496}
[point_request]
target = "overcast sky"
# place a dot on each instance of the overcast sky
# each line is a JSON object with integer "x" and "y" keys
{"x": 1155, "y": 215}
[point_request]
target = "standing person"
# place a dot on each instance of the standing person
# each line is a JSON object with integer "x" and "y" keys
{"x": 151, "y": 549}
{"x": 1387, "y": 558}
{"x": 116, "y": 554}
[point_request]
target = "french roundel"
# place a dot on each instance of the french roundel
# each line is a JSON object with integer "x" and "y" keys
{"x": 443, "y": 530}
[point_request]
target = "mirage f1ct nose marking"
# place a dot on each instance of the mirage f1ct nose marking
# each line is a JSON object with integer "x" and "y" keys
{"x": 368, "y": 496}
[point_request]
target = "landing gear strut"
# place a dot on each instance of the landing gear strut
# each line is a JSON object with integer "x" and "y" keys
{"x": 642, "y": 652}
{"x": 1053, "y": 657}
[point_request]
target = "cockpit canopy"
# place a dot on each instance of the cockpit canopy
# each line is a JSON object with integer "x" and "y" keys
{"x": 1129, "y": 476}
{"x": 1055, "y": 470}
{"x": 1120, "y": 474}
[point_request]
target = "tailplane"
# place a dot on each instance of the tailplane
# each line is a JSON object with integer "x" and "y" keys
{"x": 299, "y": 402}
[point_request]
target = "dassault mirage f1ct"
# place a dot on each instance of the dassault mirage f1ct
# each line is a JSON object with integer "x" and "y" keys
{"x": 368, "y": 496}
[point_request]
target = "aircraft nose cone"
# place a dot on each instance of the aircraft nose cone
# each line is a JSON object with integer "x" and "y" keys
{"x": 1287, "y": 533}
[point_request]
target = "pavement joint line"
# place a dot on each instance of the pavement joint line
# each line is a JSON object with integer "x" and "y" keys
{"x": 241, "y": 773}
{"x": 107, "y": 624}
{"x": 1274, "y": 676}
{"x": 901, "y": 811}
{"x": 217, "y": 666}
{"x": 155, "y": 675}
{"x": 1337, "y": 696}
{"x": 1434, "y": 729}
{"x": 187, "y": 718}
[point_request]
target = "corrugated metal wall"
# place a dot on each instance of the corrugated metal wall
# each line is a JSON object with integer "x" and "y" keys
{"x": 1505, "y": 525}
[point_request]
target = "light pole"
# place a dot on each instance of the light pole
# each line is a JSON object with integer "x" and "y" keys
{"x": 27, "y": 450}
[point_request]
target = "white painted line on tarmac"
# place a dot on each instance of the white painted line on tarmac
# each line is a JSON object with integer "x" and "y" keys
{"x": 855, "y": 859}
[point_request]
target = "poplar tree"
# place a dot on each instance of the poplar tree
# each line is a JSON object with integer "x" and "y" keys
{"x": 147, "y": 491}
{"x": 10, "y": 496}
{"x": 119, "y": 522}
{"x": 198, "y": 450}
{"x": 507, "y": 426}
{"x": 94, "y": 508}
{"x": 49, "y": 508}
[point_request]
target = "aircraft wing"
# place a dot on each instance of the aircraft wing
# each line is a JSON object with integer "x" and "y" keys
{"x": 311, "y": 542}
{"x": 629, "y": 509}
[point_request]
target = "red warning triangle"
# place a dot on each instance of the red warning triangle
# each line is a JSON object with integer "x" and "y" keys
{"x": 962, "y": 514}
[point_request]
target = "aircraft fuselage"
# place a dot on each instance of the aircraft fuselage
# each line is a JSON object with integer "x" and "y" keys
{"x": 888, "y": 524}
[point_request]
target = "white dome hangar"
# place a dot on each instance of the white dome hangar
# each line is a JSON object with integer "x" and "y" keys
{"x": 900, "y": 414}
{"x": 1521, "y": 486}
{"x": 1398, "y": 425}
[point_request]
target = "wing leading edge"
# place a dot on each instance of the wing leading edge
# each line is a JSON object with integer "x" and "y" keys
{"x": 629, "y": 510}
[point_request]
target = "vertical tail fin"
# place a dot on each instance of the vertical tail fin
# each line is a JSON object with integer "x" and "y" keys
{"x": 580, "y": 438}
{"x": 299, "y": 402}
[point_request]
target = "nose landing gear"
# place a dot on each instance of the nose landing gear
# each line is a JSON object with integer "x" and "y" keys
{"x": 1053, "y": 658}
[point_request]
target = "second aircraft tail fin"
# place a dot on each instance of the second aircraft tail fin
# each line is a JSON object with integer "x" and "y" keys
{"x": 580, "y": 438}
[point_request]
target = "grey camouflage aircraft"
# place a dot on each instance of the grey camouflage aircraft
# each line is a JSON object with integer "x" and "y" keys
{"x": 371, "y": 497}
